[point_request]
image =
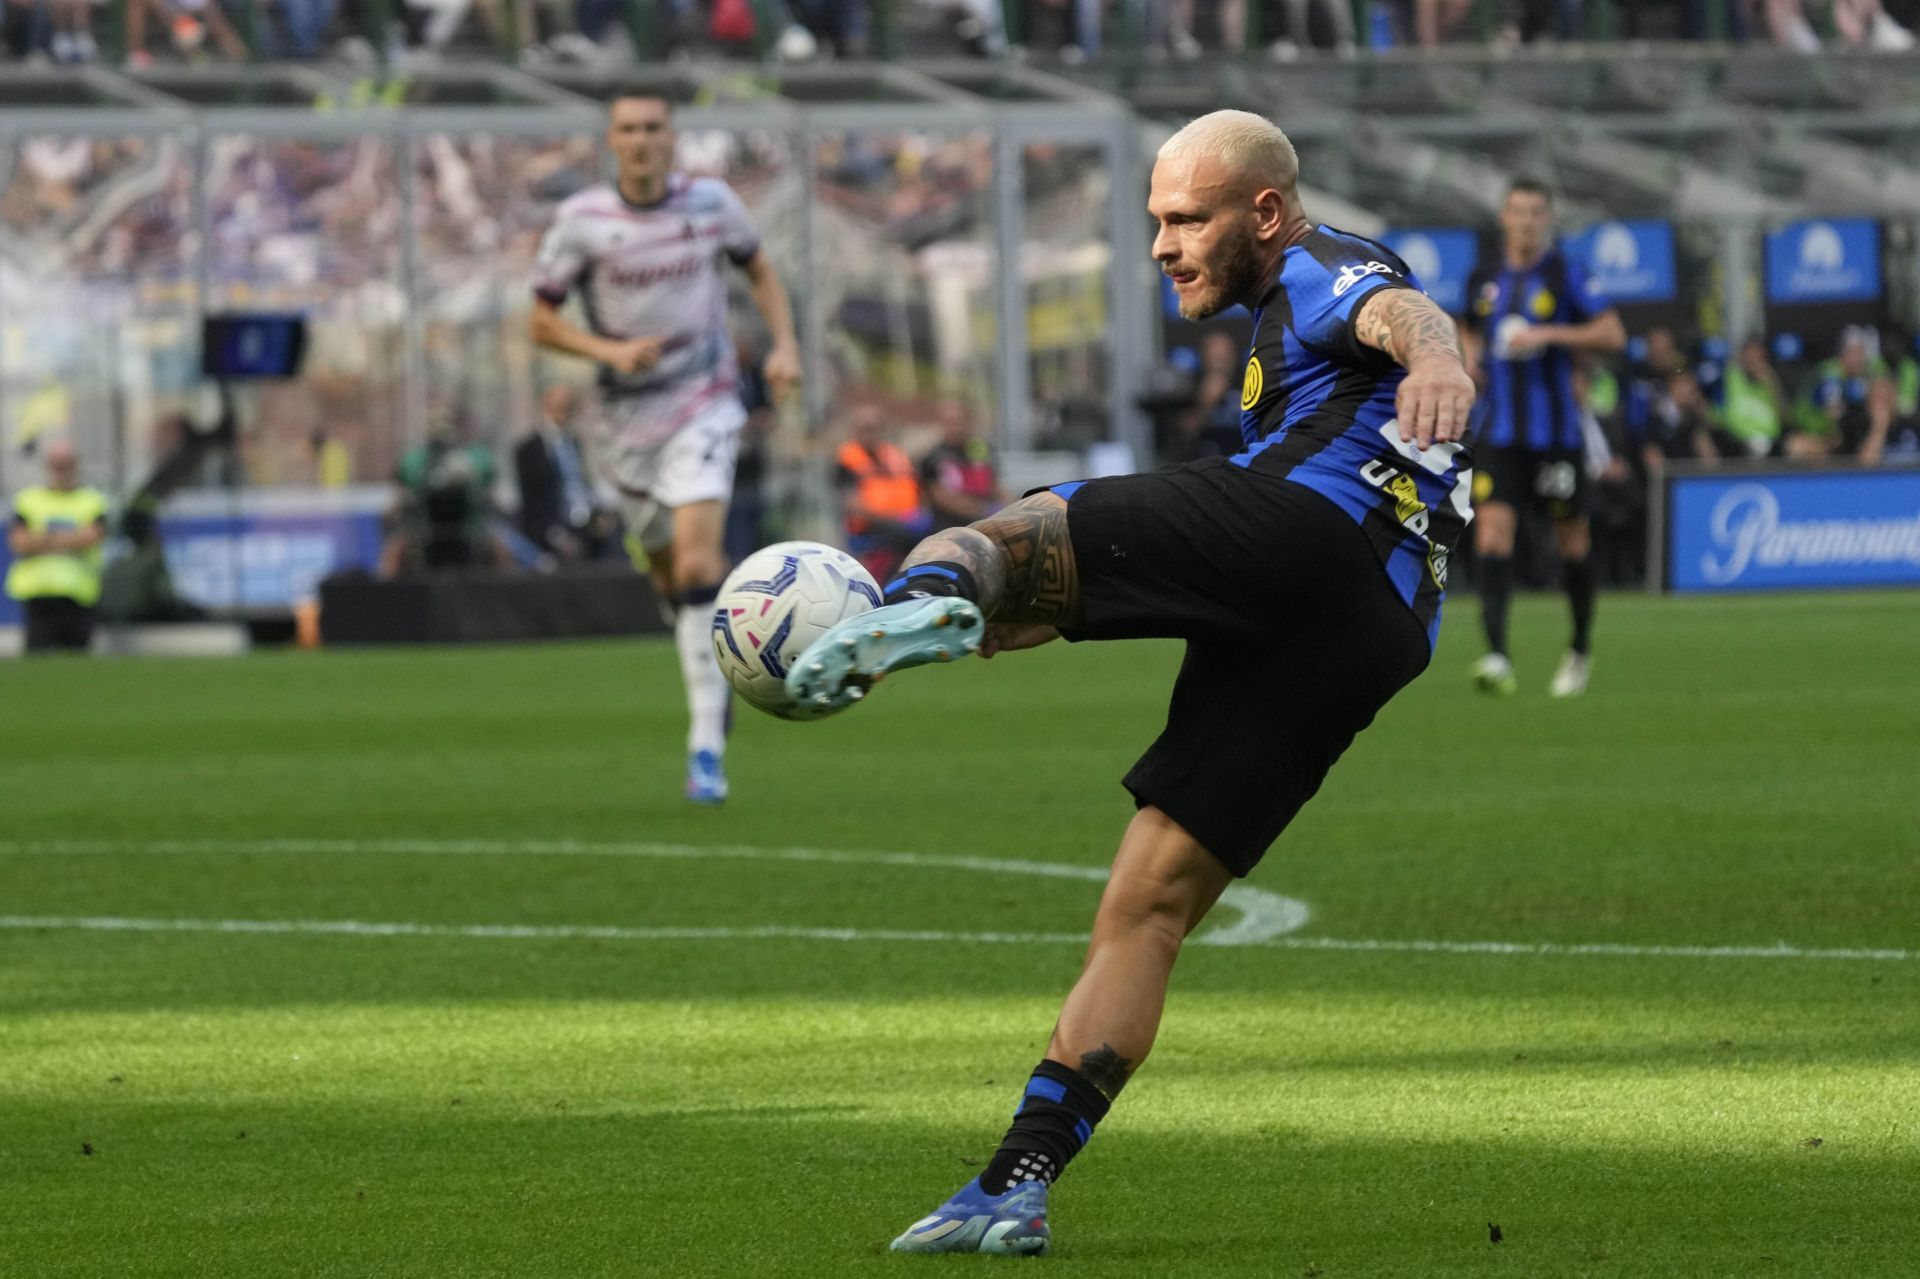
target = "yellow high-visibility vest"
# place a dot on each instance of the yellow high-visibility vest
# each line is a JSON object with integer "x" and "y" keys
{"x": 73, "y": 575}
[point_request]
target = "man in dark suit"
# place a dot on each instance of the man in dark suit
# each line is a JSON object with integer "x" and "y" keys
{"x": 556, "y": 498}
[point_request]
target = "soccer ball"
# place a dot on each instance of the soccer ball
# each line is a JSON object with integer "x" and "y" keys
{"x": 780, "y": 599}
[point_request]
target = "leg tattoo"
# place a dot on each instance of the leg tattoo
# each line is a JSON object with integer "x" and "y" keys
{"x": 1106, "y": 1070}
{"x": 1021, "y": 560}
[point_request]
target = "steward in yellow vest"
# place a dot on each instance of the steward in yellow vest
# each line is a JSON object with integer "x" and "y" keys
{"x": 56, "y": 532}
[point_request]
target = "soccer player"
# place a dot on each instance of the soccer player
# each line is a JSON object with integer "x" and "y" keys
{"x": 1305, "y": 574}
{"x": 1529, "y": 316}
{"x": 643, "y": 251}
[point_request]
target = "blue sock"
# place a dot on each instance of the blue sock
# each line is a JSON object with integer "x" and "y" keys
{"x": 935, "y": 577}
{"x": 1057, "y": 1116}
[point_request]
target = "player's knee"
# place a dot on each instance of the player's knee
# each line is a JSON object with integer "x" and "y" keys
{"x": 693, "y": 574}
{"x": 1147, "y": 906}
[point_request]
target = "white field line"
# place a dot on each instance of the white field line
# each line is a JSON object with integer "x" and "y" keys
{"x": 597, "y": 932}
{"x": 1265, "y": 917}
{"x": 1262, "y": 914}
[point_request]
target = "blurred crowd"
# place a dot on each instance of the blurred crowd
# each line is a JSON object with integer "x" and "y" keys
{"x": 537, "y": 32}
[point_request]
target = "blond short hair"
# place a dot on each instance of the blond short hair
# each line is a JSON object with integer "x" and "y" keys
{"x": 1249, "y": 144}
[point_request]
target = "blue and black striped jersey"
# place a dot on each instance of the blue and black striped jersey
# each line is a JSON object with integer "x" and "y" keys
{"x": 1317, "y": 408}
{"x": 1529, "y": 402}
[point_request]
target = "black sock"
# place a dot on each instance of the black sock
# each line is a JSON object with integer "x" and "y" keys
{"x": 1496, "y": 591}
{"x": 935, "y": 577}
{"x": 1056, "y": 1118}
{"x": 1579, "y": 575}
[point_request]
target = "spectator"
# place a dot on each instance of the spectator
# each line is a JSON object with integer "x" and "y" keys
{"x": 1435, "y": 21}
{"x": 1619, "y": 483}
{"x": 306, "y": 23}
{"x": 188, "y": 24}
{"x": 881, "y": 507}
{"x": 958, "y": 474}
{"x": 557, "y": 510}
{"x": 1903, "y": 436}
{"x": 1859, "y": 24}
{"x": 1753, "y": 408}
{"x": 55, "y": 537}
{"x": 1852, "y": 403}
{"x": 72, "y": 40}
{"x": 1680, "y": 426}
{"x": 1897, "y": 351}
{"x": 837, "y": 25}
{"x": 1210, "y": 426}
{"x": 1339, "y": 27}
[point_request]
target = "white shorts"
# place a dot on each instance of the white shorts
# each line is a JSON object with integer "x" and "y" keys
{"x": 694, "y": 464}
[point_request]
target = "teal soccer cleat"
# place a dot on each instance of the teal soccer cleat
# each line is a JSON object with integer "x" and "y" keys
{"x": 836, "y": 670}
{"x": 1013, "y": 1224}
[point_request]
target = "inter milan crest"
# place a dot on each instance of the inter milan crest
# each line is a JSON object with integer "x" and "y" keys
{"x": 1252, "y": 384}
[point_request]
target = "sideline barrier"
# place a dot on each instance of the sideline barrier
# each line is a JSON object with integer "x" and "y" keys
{"x": 1770, "y": 527}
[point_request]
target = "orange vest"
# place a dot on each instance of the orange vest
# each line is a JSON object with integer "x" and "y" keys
{"x": 888, "y": 488}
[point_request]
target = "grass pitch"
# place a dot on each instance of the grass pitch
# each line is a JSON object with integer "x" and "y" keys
{"x": 669, "y": 1098}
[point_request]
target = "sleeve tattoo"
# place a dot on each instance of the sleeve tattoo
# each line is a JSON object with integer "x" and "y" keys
{"x": 1407, "y": 326}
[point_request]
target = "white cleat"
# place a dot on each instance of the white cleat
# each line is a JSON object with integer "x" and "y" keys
{"x": 1571, "y": 679}
{"x": 1494, "y": 674}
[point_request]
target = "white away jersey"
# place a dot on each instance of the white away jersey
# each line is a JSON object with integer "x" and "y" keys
{"x": 654, "y": 271}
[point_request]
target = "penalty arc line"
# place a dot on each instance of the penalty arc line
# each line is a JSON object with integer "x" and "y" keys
{"x": 1262, "y": 914}
{"x": 1266, "y": 918}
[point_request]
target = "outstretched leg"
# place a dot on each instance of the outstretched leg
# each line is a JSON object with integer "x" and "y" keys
{"x": 1015, "y": 567}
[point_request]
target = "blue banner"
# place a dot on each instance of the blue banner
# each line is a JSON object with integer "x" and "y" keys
{"x": 1832, "y": 261}
{"x": 1791, "y": 531}
{"x": 1628, "y": 261}
{"x": 1441, "y": 259}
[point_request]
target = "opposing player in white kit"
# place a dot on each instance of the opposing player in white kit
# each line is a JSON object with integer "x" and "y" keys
{"x": 644, "y": 253}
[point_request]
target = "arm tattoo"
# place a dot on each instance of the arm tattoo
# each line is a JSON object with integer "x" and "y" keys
{"x": 1408, "y": 326}
{"x": 1106, "y": 1070}
{"x": 1042, "y": 579}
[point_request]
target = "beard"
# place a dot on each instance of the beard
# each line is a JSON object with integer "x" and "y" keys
{"x": 1236, "y": 272}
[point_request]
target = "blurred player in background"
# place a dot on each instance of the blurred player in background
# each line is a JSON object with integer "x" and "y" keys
{"x": 1530, "y": 315}
{"x": 644, "y": 253}
{"x": 1305, "y": 574}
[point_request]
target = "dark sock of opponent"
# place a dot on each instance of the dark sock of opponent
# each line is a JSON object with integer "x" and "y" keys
{"x": 1580, "y": 593}
{"x": 1496, "y": 591}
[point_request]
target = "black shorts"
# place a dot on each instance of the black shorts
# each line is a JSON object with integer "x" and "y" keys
{"x": 54, "y": 624}
{"x": 1295, "y": 638}
{"x": 1555, "y": 482}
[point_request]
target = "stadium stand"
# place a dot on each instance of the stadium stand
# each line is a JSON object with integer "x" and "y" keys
{"x": 949, "y": 222}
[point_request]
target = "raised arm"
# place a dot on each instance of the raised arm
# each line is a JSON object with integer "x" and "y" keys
{"x": 1437, "y": 394}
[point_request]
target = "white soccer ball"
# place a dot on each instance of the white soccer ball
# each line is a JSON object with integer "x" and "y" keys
{"x": 780, "y": 599}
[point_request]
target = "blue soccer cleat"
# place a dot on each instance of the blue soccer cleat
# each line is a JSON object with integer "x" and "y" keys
{"x": 706, "y": 780}
{"x": 1013, "y": 1224}
{"x": 836, "y": 670}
